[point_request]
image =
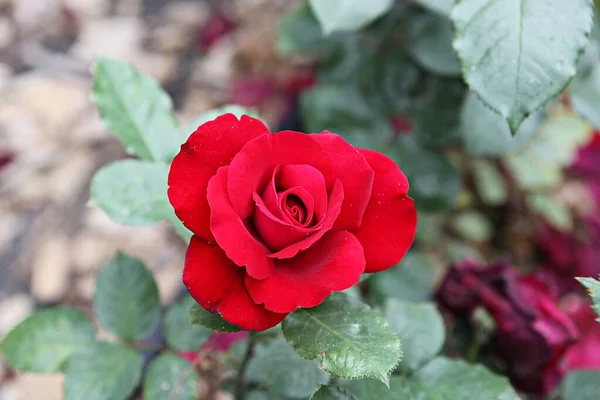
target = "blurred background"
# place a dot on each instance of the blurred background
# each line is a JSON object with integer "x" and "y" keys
{"x": 51, "y": 139}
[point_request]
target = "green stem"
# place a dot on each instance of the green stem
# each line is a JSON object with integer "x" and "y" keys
{"x": 240, "y": 384}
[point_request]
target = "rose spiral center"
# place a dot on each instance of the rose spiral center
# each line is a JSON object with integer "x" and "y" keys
{"x": 295, "y": 209}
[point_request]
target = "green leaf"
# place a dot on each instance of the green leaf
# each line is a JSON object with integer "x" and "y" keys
{"x": 277, "y": 366}
{"x": 435, "y": 183}
{"x": 421, "y": 330}
{"x": 538, "y": 165}
{"x": 336, "y": 333}
{"x": 430, "y": 43}
{"x": 441, "y": 7}
{"x": 126, "y": 301}
{"x": 133, "y": 192}
{"x": 46, "y": 339}
{"x": 214, "y": 322}
{"x": 213, "y": 113}
{"x": 593, "y": 287}
{"x": 299, "y": 31}
{"x": 503, "y": 46}
{"x": 472, "y": 225}
{"x": 413, "y": 279}
{"x": 443, "y": 378}
{"x": 581, "y": 385}
{"x": 552, "y": 210}
{"x": 333, "y": 393}
{"x": 486, "y": 133}
{"x": 136, "y": 110}
{"x": 341, "y": 108}
{"x": 179, "y": 332}
{"x": 170, "y": 377}
{"x": 348, "y": 15}
{"x": 400, "y": 389}
{"x": 490, "y": 183}
{"x": 107, "y": 371}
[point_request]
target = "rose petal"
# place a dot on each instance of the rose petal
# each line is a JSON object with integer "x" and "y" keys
{"x": 218, "y": 286}
{"x": 212, "y": 145}
{"x": 390, "y": 221}
{"x": 253, "y": 166}
{"x": 356, "y": 175}
{"x": 336, "y": 198}
{"x": 232, "y": 234}
{"x": 333, "y": 264}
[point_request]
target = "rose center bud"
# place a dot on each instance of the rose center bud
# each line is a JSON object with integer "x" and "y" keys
{"x": 295, "y": 209}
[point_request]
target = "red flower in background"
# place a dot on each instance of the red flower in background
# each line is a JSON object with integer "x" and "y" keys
{"x": 532, "y": 332}
{"x": 281, "y": 220}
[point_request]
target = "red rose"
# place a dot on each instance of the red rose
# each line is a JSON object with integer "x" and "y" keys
{"x": 280, "y": 220}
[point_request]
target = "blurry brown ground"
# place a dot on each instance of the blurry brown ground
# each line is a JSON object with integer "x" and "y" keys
{"x": 51, "y": 141}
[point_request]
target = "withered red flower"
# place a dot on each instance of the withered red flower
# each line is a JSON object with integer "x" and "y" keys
{"x": 280, "y": 220}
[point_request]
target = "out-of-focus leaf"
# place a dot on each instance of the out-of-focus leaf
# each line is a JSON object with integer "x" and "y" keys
{"x": 179, "y": 331}
{"x": 490, "y": 183}
{"x": 348, "y": 15}
{"x": 332, "y": 393}
{"x": 214, "y": 322}
{"x": 580, "y": 385}
{"x": 552, "y": 210}
{"x": 442, "y": 7}
{"x": 473, "y": 226}
{"x": 170, "y": 377}
{"x": 209, "y": 115}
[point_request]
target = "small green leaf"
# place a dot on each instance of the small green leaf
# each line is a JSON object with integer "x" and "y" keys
{"x": 400, "y": 389}
{"x": 413, "y": 279}
{"x": 170, "y": 377}
{"x": 136, "y": 110}
{"x": 214, "y": 322}
{"x": 179, "y": 332}
{"x": 486, "y": 133}
{"x": 348, "y": 15}
{"x": 593, "y": 287}
{"x": 430, "y": 43}
{"x": 107, "y": 371}
{"x": 473, "y": 226}
{"x": 277, "y": 366}
{"x": 580, "y": 385}
{"x": 335, "y": 333}
{"x": 552, "y": 210}
{"x": 421, "y": 330}
{"x": 133, "y": 192}
{"x": 443, "y": 378}
{"x": 126, "y": 301}
{"x": 211, "y": 114}
{"x": 490, "y": 183}
{"x": 333, "y": 393}
{"x": 441, "y": 7}
{"x": 503, "y": 46}
{"x": 46, "y": 339}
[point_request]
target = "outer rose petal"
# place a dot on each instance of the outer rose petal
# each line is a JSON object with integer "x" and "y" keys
{"x": 212, "y": 145}
{"x": 390, "y": 221}
{"x": 232, "y": 234}
{"x": 253, "y": 166}
{"x": 218, "y": 286}
{"x": 333, "y": 264}
{"x": 356, "y": 176}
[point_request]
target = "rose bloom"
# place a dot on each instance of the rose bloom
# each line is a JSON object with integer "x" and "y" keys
{"x": 532, "y": 332}
{"x": 281, "y": 220}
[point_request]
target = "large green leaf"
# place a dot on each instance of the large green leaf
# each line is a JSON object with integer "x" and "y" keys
{"x": 333, "y": 393}
{"x": 214, "y": 322}
{"x": 400, "y": 389}
{"x": 421, "y": 329}
{"x": 136, "y": 110}
{"x": 348, "y": 15}
{"x": 46, "y": 339}
{"x": 443, "y": 378}
{"x": 350, "y": 339}
{"x": 179, "y": 332}
{"x": 518, "y": 54}
{"x": 170, "y": 377}
{"x": 277, "y": 366}
{"x": 107, "y": 371}
{"x": 126, "y": 301}
{"x": 435, "y": 183}
{"x": 430, "y": 43}
{"x": 486, "y": 133}
{"x": 581, "y": 385}
{"x": 593, "y": 287}
{"x": 412, "y": 279}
